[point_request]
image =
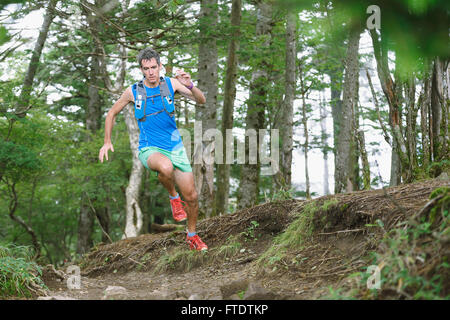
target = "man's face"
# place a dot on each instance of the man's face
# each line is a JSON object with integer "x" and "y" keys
{"x": 150, "y": 69}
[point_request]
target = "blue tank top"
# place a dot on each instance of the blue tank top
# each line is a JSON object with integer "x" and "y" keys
{"x": 159, "y": 130}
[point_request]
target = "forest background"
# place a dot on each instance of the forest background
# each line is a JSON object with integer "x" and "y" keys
{"x": 357, "y": 90}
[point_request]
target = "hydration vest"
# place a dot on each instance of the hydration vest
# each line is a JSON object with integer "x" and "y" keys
{"x": 140, "y": 103}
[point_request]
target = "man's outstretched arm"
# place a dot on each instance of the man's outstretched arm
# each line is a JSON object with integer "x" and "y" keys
{"x": 181, "y": 84}
{"x": 125, "y": 98}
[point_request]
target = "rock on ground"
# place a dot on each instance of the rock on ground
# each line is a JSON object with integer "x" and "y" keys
{"x": 115, "y": 293}
{"x": 55, "y": 298}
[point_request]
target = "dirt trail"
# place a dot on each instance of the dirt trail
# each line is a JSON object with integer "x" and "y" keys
{"x": 159, "y": 266}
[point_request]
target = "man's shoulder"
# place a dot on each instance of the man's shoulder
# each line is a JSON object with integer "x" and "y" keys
{"x": 134, "y": 84}
{"x": 174, "y": 82}
{"x": 128, "y": 93}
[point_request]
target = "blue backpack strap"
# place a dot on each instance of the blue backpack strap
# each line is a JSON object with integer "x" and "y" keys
{"x": 166, "y": 97}
{"x": 140, "y": 101}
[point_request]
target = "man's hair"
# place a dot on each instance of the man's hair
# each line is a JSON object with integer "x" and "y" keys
{"x": 147, "y": 54}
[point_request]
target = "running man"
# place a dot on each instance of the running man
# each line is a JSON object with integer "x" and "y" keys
{"x": 160, "y": 146}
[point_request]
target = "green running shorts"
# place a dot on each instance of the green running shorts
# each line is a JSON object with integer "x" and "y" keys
{"x": 178, "y": 157}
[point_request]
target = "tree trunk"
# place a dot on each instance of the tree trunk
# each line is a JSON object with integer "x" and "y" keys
{"x": 92, "y": 123}
{"x": 305, "y": 132}
{"x": 357, "y": 151}
{"x": 284, "y": 177}
{"x": 324, "y": 143}
{"x": 336, "y": 110}
{"x": 399, "y": 150}
{"x": 335, "y": 70}
{"x": 85, "y": 225}
{"x": 364, "y": 159}
{"x": 411, "y": 118}
{"x": 134, "y": 218}
{"x": 223, "y": 170}
{"x": 93, "y": 116}
{"x": 437, "y": 104}
{"x": 445, "y": 112}
{"x": 395, "y": 177}
{"x": 101, "y": 76}
{"x": 396, "y": 166}
{"x": 256, "y": 106}
{"x": 424, "y": 123}
{"x": 24, "y": 99}
{"x": 345, "y": 166}
{"x": 206, "y": 114}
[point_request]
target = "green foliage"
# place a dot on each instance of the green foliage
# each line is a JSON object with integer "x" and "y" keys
{"x": 4, "y": 37}
{"x": 436, "y": 168}
{"x": 415, "y": 28}
{"x": 441, "y": 207}
{"x": 230, "y": 248}
{"x": 180, "y": 260}
{"x": 249, "y": 233}
{"x": 337, "y": 294}
{"x": 378, "y": 223}
{"x": 18, "y": 159}
{"x": 4, "y": 3}
{"x": 412, "y": 260}
{"x": 293, "y": 237}
{"x": 401, "y": 265}
{"x": 280, "y": 195}
{"x": 185, "y": 260}
{"x": 19, "y": 275}
{"x": 299, "y": 229}
{"x": 49, "y": 160}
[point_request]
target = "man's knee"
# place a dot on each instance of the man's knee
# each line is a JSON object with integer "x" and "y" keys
{"x": 166, "y": 170}
{"x": 191, "y": 196}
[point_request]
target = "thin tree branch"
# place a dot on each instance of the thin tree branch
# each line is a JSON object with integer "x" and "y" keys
{"x": 98, "y": 220}
{"x": 377, "y": 108}
{"x": 12, "y": 209}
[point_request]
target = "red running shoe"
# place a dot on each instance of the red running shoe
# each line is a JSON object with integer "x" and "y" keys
{"x": 177, "y": 205}
{"x": 195, "y": 243}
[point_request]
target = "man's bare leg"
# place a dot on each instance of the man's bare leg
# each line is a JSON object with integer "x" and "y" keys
{"x": 185, "y": 183}
{"x": 184, "y": 180}
{"x": 160, "y": 163}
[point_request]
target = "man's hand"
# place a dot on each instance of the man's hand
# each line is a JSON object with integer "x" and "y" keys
{"x": 184, "y": 78}
{"x": 104, "y": 151}
{"x": 184, "y": 86}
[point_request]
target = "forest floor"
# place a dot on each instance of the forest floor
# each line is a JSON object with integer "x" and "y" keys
{"x": 287, "y": 249}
